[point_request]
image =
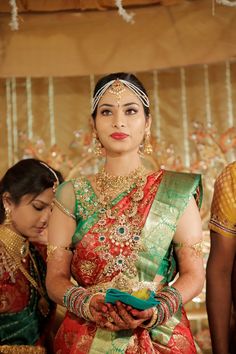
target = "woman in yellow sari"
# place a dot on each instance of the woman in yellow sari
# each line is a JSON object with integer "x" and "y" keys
{"x": 123, "y": 234}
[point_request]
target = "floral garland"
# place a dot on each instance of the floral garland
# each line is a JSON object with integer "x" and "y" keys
{"x": 14, "y": 24}
{"x": 226, "y": 3}
{"x": 123, "y": 13}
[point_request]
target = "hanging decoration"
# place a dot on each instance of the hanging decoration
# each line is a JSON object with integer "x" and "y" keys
{"x": 207, "y": 96}
{"x": 157, "y": 115}
{"x": 128, "y": 17}
{"x": 228, "y": 86}
{"x": 9, "y": 123}
{"x": 226, "y": 3}
{"x": 14, "y": 118}
{"x": 14, "y": 23}
{"x": 184, "y": 118}
{"x": 51, "y": 111}
{"x": 29, "y": 107}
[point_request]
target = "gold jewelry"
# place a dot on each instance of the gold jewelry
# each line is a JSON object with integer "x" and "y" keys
{"x": 18, "y": 248}
{"x": 117, "y": 88}
{"x": 110, "y": 186}
{"x": 97, "y": 146}
{"x": 21, "y": 349}
{"x": 63, "y": 209}
{"x": 124, "y": 232}
{"x": 197, "y": 248}
{"x": 7, "y": 220}
{"x": 152, "y": 320}
{"x": 52, "y": 248}
{"x": 147, "y": 147}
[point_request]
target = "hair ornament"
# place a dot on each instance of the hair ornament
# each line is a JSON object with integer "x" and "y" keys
{"x": 56, "y": 183}
{"x": 117, "y": 88}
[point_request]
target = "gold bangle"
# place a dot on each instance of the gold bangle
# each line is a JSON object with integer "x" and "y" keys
{"x": 152, "y": 320}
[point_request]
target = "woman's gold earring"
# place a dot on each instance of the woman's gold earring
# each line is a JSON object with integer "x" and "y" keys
{"x": 97, "y": 146}
{"x": 7, "y": 220}
{"x": 147, "y": 147}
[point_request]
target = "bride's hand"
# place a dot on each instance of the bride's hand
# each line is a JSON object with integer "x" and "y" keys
{"x": 98, "y": 309}
{"x": 125, "y": 317}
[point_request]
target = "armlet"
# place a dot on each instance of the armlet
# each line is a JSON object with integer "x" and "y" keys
{"x": 52, "y": 248}
{"x": 197, "y": 247}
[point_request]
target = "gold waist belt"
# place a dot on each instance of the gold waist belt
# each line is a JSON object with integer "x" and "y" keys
{"x": 21, "y": 349}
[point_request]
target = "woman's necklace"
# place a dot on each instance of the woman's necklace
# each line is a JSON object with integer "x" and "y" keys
{"x": 18, "y": 249}
{"x": 109, "y": 186}
{"x": 124, "y": 232}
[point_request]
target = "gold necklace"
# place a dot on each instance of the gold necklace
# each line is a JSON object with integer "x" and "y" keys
{"x": 124, "y": 233}
{"x": 110, "y": 186}
{"x": 18, "y": 248}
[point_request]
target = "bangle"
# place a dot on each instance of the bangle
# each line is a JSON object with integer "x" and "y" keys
{"x": 169, "y": 302}
{"x": 153, "y": 319}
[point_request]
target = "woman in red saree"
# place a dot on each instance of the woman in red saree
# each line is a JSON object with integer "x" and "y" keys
{"x": 26, "y": 196}
{"x": 126, "y": 229}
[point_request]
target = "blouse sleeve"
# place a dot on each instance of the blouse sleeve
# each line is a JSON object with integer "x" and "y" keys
{"x": 223, "y": 208}
{"x": 65, "y": 198}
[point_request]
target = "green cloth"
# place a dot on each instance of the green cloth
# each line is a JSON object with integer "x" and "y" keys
{"x": 113, "y": 295}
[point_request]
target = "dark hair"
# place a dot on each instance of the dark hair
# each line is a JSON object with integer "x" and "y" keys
{"x": 123, "y": 76}
{"x": 27, "y": 176}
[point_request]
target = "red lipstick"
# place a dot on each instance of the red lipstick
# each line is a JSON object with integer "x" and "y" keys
{"x": 119, "y": 136}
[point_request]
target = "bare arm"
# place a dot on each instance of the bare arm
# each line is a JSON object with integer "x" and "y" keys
{"x": 219, "y": 296}
{"x": 191, "y": 271}
{"x": 61, "y": 229}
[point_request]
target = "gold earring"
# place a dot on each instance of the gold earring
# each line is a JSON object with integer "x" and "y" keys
{"x": 147, "y": 147}
{"x": 97, "y": 146}
{"x": 7, "y": 220}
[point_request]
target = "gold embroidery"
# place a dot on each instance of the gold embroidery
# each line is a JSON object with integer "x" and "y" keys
{"x": 21, "y": 349}
{"x": 87, "y": 267}
{"x": 124, "y": 283}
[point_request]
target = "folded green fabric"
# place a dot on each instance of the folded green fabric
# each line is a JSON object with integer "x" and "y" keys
{"x": 113, "y": 295}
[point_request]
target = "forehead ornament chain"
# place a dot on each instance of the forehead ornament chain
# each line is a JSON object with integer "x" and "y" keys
{"x": 117, "y": 87}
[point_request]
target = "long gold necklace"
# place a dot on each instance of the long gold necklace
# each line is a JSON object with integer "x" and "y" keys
{"x": 109, "y": 186}
{"x": 18, "y": 249}
{"x": 124, "y": 233}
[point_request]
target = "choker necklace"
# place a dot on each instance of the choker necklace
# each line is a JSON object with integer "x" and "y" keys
{"x": 17, "y": 247}
{"x": 110, "y": 186}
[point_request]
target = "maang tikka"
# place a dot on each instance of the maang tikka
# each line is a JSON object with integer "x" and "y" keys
{"x": 117, "y": 88}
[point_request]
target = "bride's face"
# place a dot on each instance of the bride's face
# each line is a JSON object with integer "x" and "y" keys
{"x": 120, "y": 122}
